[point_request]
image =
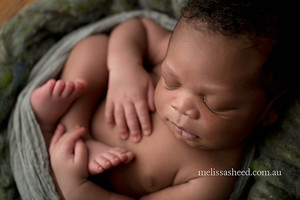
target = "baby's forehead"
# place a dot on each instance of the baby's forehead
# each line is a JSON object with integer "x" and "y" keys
{"x": 214, "y": 57}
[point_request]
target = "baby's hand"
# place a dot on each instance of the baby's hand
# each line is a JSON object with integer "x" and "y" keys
{"x": 69, "y": 158}
{"x": 129, "y": 99}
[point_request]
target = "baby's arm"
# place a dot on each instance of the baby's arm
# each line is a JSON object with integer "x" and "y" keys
{"x": 131, "y": 89}
{"x": 69, "y": 160}
{"x": 213, "y": 188}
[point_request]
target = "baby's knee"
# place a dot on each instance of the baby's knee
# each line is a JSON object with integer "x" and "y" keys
{"x": 92, "y": 51}
{"x": 95, "y": 40}
{"x": 95, "y": 45}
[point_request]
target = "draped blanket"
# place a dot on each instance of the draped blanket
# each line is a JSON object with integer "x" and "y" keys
{"x": 28, "y": 153}
{"x": 25, "y": 42}
{"x": 29, "y": 157}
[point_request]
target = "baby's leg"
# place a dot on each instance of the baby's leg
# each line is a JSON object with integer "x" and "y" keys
{"x": 88, "y": 61}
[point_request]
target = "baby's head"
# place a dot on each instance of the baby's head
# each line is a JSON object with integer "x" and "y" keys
{"x": 222, "y": 72}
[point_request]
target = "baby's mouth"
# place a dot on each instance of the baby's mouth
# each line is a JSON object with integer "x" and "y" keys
{"x": 184, "y": 134}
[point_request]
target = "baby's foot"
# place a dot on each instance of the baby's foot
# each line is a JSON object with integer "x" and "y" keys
{"x": 53, "y": 99}
{"x": 103, "y": 157}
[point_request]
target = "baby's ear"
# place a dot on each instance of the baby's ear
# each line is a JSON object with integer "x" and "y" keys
{"x": 271, "y": 115}
{"x": 270, "y": 118}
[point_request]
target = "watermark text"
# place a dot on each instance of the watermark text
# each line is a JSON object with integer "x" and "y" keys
{"x": 234, "y": 172}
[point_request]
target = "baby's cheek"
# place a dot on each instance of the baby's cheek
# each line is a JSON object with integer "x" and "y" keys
{"x": 159, "y": 97}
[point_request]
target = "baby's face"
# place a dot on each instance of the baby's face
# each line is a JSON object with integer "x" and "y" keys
{"x": 209, "y": 94}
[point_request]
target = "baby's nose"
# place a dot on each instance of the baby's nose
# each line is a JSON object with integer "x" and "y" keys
{"x": 186, "y": 108}
{"x": 192, "y": 113}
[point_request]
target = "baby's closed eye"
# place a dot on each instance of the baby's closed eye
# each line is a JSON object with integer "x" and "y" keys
{"x": 218, "y": 108}
{"x": 171, "y": 84}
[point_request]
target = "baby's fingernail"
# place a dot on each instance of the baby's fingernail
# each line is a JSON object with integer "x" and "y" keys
{"x": 147, "y": 132}
{"x": 123, "y": 136}
{"x": 136, "y": 138}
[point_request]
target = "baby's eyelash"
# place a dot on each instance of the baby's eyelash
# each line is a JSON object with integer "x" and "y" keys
{"x": 209, "y": 107}
{"x": 168, "y": 86}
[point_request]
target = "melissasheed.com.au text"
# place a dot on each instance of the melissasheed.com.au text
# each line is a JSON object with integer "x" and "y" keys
{"x": 233, "y": 172}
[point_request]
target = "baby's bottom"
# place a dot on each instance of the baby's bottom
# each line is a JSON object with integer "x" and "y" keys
{"x": 71, "y": 101}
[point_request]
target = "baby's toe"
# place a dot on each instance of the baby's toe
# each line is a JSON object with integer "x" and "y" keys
{"x": 112, "y": 157}
{"x": 129, "y": 157}
{"x": 95, "y": 168}
{"x": 68, "y": 90}
{"x": 58, "y": 88}
{"x": 124, "y": 155}
{"x": 120, "y": 153}
{"x": 80, "y": 86}
{"x": 104, "y": 162}
{"x": 49, "y": 86}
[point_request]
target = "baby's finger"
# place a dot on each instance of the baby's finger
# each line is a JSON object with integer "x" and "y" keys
{"x": 69, "y": 139}
{"x": 80, "y": 152}
{"x": 133, "y": 123}
{"x": 144, "y": 117}
{"x": 109, "y": 113}
{"x": 121, "y": 121}
{"x": 56, "y": 137}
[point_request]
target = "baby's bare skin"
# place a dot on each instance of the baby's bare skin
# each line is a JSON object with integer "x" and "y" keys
{"x": 207, "y": 102}
{"x": 197, "y": 126}
{"x": 161, "y": 160}
{"x": 52, "y": 100}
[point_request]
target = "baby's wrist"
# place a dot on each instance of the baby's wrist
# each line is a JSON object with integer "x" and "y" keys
{"x": 69, "y": 191}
